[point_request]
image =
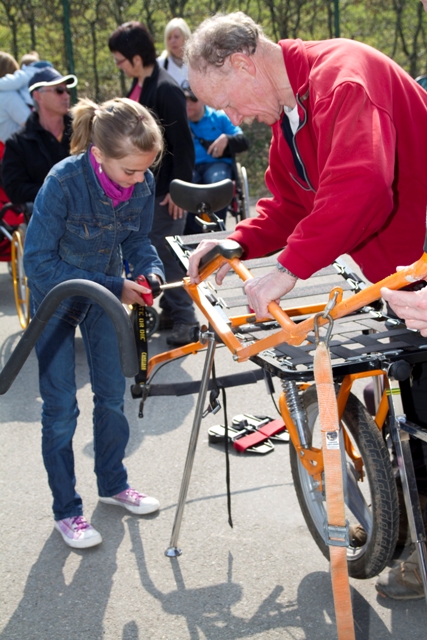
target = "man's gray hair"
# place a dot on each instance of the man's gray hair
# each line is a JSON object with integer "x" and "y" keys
{"x": 219, "y": 37}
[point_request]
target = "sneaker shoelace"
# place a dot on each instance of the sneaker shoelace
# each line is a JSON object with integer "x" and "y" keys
{"x": 134, "y": 495}
{"x": 79, "y": 523}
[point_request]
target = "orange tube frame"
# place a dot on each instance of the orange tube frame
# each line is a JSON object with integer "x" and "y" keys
{"x": 293, "y": 334}
{"x": 290, "y": 332}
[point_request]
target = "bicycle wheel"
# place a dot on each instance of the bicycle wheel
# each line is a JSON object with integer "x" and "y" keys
{"x": 152, "y": 319}
{"x": 371, "y": 501}
{"x": 20, "y": 288}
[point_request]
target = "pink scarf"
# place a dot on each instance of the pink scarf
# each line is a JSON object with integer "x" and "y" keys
{"x": 111, "y": 189}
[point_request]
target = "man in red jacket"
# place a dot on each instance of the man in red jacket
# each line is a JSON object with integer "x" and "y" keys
{"x": 347, "y": 166}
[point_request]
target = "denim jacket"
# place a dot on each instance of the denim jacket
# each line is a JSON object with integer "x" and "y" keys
{"x": 75, "y": 232}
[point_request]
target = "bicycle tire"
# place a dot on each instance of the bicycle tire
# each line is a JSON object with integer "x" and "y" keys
{"x": 20, "y": 287}
{"x": 380, "y": 517}
{"x": 152, "y": 319}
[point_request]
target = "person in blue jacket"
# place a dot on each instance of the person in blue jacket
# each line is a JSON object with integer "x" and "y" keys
{"x": 94, "y": 210}
{"x": 216, "y": 139}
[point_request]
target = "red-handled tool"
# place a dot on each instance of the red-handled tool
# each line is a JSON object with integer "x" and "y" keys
{"x": 147, "y": 297}
{"x": 156, "y": 287}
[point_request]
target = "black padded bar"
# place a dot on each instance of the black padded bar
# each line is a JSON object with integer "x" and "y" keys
{"x": 99, "y": 294}
{"x": 200, "y": 198}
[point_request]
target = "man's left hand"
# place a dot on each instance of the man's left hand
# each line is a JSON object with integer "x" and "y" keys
{"x": 264, "y": 289}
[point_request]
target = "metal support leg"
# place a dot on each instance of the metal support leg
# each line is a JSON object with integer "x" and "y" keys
{"x": 400, "y": 430}
{"x": 173, "y": 550}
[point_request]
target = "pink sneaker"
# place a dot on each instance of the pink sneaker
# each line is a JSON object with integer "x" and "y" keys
{"x": 133, "y": 501}
{"x": 77, "y": 532}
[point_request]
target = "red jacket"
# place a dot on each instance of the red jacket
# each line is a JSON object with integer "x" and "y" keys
{"x": 362, "y": 142}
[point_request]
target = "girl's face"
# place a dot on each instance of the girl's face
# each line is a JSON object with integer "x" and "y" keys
{"x": 176, "y": 42}
{"x": 126, "y": 171}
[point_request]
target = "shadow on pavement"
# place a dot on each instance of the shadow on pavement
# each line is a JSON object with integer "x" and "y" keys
{"x": 54, "y": 606}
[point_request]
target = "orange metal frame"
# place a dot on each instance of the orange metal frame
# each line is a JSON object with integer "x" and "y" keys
{"x": 294, "y": 334}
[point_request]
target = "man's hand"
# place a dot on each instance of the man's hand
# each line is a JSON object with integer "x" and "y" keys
{"x": 264, "y": 289}
{"x": 411, "y": 306}
{"x": 193, "y": 270}
{"x": 132, "y": 292}
{"x": 218, "y": 146}
{"x": 173, "y": 209}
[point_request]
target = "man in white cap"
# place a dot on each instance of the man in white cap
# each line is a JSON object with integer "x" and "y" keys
{"x": 43, "y": 141}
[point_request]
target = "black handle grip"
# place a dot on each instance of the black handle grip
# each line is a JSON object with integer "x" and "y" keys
{"x": 399, "y": 370}
{"x": 97, "y": 293}
{"x": 227, "y": 249}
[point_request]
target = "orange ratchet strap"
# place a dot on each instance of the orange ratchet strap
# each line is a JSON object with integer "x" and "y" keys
{"x": 337, "y": 525}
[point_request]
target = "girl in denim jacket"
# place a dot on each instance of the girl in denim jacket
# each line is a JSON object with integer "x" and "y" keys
{"x": 94, "y": 210}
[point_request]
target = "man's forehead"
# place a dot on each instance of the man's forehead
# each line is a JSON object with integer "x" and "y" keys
{"x": 51, "y": 88}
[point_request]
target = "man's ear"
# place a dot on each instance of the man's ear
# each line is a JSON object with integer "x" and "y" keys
{"x": 242, "y": 62}
{"x": 35, "y": 96}
{"x": 98, "y": 155}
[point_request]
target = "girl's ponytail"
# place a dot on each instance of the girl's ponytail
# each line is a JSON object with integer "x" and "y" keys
{"x": 83, "y": 114}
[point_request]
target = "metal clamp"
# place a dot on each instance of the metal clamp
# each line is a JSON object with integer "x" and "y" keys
{"x": 325, "y": 314}
{"x": 337, "y": 536}
{"x": 327, "y": 317}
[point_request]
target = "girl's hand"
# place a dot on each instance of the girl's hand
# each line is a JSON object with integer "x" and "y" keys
{"x": 132, "y": 291}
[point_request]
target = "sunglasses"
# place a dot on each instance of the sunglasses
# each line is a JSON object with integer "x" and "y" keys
{"x": 193, "y": 99}
{"x": 57, "y": 90}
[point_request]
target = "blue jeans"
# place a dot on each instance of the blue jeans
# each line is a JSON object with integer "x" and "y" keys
{"x": 56, "y": 355}
{"x": 208, "y": 173}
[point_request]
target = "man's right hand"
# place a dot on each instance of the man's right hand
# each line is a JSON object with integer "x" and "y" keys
{"x": 193, "y": 270}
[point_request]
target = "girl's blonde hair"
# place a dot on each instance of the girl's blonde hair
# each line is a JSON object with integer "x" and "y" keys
{"x": 117, "y": 127}
{"x": 8, "y": 64}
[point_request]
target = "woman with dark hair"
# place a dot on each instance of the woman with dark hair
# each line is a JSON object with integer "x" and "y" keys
{"x": 134, "y": 53}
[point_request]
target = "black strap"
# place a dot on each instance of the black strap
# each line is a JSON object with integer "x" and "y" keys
{"x": 218, "y": 386}
{"x": 139, "y": 325}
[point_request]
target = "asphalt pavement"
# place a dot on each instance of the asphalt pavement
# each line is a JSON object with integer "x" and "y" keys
{"x": 263, "y": 579}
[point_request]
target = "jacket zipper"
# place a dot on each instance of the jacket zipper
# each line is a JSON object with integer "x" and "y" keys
{"x": 294, "y": 143}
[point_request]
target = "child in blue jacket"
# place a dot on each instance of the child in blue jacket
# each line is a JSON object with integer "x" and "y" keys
{"x": 94, "y": 210}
